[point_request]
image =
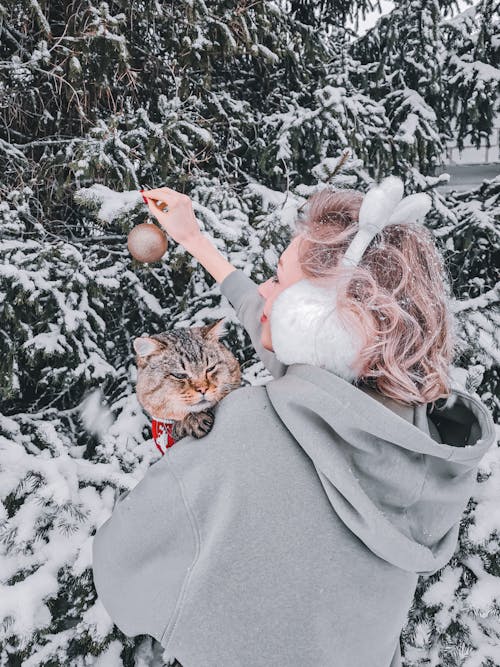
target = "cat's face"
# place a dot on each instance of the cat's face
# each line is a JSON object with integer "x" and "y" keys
{"x": 184, "y": 370}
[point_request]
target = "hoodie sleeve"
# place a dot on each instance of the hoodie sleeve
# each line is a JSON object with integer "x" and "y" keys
{"x": 143, "y": 554}
{"x": 242, "y": 294}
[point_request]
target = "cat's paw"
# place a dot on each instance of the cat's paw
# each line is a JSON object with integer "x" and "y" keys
{"x": 196, "y": 424}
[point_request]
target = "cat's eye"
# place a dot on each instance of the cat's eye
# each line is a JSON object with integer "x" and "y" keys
{"x": 179, "y": 376}
{"x": 211, "y": 368}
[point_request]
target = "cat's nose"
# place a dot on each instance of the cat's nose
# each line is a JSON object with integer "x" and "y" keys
{"x": 203, "y": 397}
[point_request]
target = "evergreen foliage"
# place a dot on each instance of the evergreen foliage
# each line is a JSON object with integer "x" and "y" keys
{"x": 247, "y": 107}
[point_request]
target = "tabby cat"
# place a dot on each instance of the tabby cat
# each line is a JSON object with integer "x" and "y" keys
{"x": 182, "y": 374}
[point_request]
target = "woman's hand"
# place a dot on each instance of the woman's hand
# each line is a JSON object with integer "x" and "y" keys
{"x": 179, "y": 221}
{"x": 182, "y": 226}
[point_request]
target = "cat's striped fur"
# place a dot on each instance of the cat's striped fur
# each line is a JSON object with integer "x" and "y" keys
{"x": 182, "y": 374}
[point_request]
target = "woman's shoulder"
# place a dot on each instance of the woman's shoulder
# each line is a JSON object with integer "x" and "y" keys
{"x": 243, "y": 412}
{"x": 244, "y": 397}
{"x": 243, "y": 416}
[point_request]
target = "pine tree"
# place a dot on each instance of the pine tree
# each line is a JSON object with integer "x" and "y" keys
{"x": 472, "y": 56}
{"x": 248, "y": 109}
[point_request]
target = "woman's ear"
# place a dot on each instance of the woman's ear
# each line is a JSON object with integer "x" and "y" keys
{"x": 146, "y": 345}
{"x": 306, "y": 329}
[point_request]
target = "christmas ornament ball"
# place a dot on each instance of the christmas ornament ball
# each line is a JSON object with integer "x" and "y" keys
{"x": 147, "y": 242}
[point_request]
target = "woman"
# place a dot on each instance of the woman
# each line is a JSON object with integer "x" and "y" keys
{"x": 293, "y": 534}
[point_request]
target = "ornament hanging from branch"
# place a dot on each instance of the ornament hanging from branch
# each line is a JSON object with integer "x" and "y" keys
{"x": 146, "y": 242}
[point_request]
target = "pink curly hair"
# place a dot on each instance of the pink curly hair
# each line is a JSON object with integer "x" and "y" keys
{"x": 397, "y": 297}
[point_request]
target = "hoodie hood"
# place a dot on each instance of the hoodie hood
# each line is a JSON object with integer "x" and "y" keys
{"x": 399, "y": 477}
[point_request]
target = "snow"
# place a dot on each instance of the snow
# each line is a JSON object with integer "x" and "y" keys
{"x": 200, "y": 42}
{"x": 204, "y": 135}
{"x": 442, "y": 595}
{"x": 260, "y": 49}
{"x": 51, "y": 342}
{"x": 112, "y": 205}
{"x": 330, "y": 96}
{"x": 284, "y": 203}
{"x": 97, "y": 617}
{"x": 25, "y": 603}
{"x": 473, "y": 71}
{"x": 96, "y": 416}
{"x": 111, "y": 656}
{"x": 421, "y": 111}
{"x": 75, "y": 64}
{"x": 40, "y": 16}
{"x": 484, "y": 594}
{"x": 487, "y": 496}
{"x": 148, "y": 299}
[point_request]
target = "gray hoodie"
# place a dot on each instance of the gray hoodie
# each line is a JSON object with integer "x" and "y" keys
{"x": 293, "y": 534}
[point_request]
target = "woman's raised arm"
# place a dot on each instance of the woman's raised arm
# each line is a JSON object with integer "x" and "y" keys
{"x": 209, "y": 257}
{"x": 180, "y": 223}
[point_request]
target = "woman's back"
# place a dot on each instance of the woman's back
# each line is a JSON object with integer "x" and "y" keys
{"x": 284, "y": 537}
{"x": 279, "y": 579}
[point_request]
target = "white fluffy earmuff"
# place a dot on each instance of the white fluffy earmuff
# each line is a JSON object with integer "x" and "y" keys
{"x": 304, "y": 322}
{"x": 305, "y": 329}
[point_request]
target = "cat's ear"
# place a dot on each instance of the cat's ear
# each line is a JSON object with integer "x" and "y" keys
{"x": 145, "y": 345}
{"x": 215, "y": 330}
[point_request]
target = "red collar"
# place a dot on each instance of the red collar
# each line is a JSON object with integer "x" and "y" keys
{"x": 162, "y": 432}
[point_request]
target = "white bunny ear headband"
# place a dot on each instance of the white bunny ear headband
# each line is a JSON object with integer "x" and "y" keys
{"x": 305, "y": 327}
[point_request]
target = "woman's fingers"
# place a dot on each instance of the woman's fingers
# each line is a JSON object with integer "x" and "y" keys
{"x": 179, "y": 220}
{"x": 161, "y": 192}
{"x": 153, "y": 207}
